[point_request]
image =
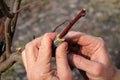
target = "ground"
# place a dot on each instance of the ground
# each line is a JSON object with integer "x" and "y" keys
{"x": 102, "y": 19}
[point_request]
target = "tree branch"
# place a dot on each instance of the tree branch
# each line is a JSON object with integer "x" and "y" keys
{"x": 8, "y": 58}
{"x": 10, "y": 25}
{"x": 55, "y": 28}
{"x": 9, "y": 62}
{"x": 8, "y": 37}
{"x": 27, "y": 5}
{"x": 14, "y": 20}
{"x": 2, "y": 58}
{"x": 5, "y": 9}
{"x": 75, "y": 19}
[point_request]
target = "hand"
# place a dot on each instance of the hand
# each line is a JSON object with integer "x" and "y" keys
{"x": 90, "y": 55}
{"x": 37, "y": 56}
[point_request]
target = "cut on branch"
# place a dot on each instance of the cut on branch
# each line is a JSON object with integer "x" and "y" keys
{"x": 67, "y": 28}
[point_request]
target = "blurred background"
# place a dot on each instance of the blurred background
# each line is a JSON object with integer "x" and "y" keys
{"x": 40, "y": 16}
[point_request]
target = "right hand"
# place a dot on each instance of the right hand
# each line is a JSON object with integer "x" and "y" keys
{"x": 90, "y": 55}
{"x": 37, "y": 59}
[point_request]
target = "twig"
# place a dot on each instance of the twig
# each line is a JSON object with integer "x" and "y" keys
{"x": 9, "y": 62}
{"x": 8, "y": 33}
{"x": 67, "y": 28}
{"x": 5, "y": 9}
{"x": 2, "y": 58}
{"x": 7, "y": 37}
{"x": 59, "y": 25}
{"x": 10, "y": 25}
{"x": 59, "y": 38}
{"x": 9, "y": 58}
{"x": 14, "y": 20}
{"x": 27, "y": 5}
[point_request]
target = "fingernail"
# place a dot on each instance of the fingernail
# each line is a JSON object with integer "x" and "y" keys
{"x": 65, "y": 46}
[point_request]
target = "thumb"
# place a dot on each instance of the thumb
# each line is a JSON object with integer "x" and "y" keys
{"x": 63, "y": 68}
{"x": 91, "y": 67}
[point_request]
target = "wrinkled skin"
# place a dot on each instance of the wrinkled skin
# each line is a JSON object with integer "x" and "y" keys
{"x": 37, "y": 56}
{"x": 86, "y": 53}
{"x": 89, "y": 54}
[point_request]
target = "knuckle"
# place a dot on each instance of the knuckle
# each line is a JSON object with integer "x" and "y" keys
{"x": 28, "y": 45}
{"x": 47, "y": 37}
{"x": 73, "y": 32}
{"x": 100, "y": 40}
{"x": 59, "y": 56}
{"x": 63, "y": 46}
{"x": 98, "y": 70}
{"x": 67, "y": 76}
{"x": 78, "y": 61}
{"x": 62, "y": 50}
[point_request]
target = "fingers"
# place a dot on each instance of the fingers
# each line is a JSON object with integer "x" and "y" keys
{"x": 24, "y": 59}
{"x": 63, "y": 68}
{"x": 81, "y": 38}
{"x": 73, "y": 36}
{"x": 45, "y": 49}
{"x": 90, "y": 67}
{"x": 90, "y": 46}
{"x": 30, "y": 53}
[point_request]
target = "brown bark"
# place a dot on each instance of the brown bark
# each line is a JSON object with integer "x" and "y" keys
{"x": 8, "y": 20}
{"x": 2, "y": 28}
{"x": 9, "y": 62}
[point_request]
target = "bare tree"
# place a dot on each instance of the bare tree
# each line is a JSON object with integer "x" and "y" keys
{"x": 8, "y": 19}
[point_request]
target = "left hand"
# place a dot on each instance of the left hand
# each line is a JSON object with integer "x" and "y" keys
{"x": 37, "y": 56}
{"x": 89, "y": 53}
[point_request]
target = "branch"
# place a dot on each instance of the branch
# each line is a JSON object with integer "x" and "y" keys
{"x": 65, "y": 31}
{"x": 27, "y": 5}
{"x": 5, "y": 9}
{"x": 2, "y": 35}
{"x": 54, "y": 29}
{"x": 2, "y": 57}
{"x": 60, "y": 39}
{"x": 14, "y": 20}
{"x": 9, "y": 58}
{"x": 9, "y": 62}
{"x": 10, "y": 25}
{"x": 8, "y": 37}
{"x": 67, "y": 28}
